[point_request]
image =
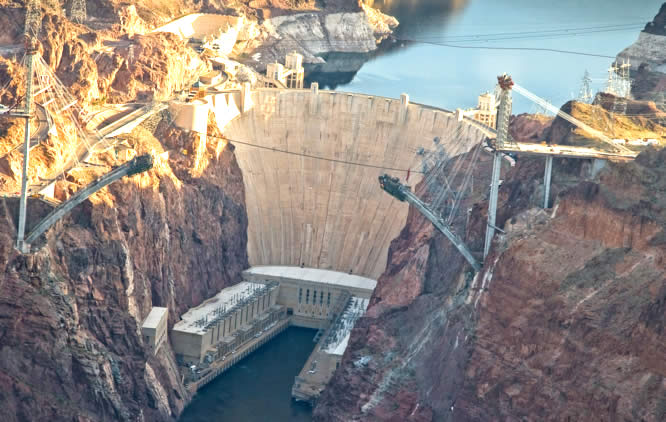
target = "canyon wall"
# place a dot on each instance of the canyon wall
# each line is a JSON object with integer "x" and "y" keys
{"x": 564, "y": 322}
{"x": 71, "y": 311}
{"x": 648, "y": 61}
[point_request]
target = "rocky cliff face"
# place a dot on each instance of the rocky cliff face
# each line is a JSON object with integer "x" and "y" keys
{"x": 636, "y": 119}
{"x": 658, "y": 24}
{"x": 318, "y": 32}
{"x": 648, "y": 61}
{"x": 70, "y": 313}
{"x": 564, "y": 322}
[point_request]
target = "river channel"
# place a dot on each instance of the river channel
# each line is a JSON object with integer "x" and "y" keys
{"x": 258, "y": 389}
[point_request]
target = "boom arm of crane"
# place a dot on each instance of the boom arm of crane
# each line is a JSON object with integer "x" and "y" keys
{"x": 587, "y": 128}
{"x": 403, "y": 193}
{"x": 137, "y": 165}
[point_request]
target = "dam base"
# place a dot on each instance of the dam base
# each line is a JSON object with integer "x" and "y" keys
{"x": 214, "y": 336}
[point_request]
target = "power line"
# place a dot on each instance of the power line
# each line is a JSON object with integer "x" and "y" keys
{"x": 301, "y": 154}
{"x": 528, "y": 34}
{"x": 297, "y": 43}
{"x": 481, "y": 47}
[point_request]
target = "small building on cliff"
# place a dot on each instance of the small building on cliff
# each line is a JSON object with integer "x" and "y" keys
{"x": 154, "y": 328}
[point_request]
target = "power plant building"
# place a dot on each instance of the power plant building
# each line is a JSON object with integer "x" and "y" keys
{"x": 313, "y": 297}
{"x": 224, "y": 321}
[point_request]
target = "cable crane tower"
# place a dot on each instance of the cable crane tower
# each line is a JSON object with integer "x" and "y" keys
{"x": 59, "y": 114}
{"x": 32, "y": 27}
{"x": 505, "y": 84}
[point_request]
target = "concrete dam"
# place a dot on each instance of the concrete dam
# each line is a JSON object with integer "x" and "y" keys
{"x": 314, "y": 206}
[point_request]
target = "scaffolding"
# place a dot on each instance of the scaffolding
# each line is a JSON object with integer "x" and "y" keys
{"x": 585, "y": 94}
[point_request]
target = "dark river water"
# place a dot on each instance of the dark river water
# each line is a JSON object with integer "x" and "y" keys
{"x": 452, "y": 78}
{"x": 258, "y": 389}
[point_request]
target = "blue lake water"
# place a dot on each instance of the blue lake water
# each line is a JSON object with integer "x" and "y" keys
{"x": 453, "y": 77}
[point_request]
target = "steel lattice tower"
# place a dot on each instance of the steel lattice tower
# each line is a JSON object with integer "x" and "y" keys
{"x": 585, "y": 95}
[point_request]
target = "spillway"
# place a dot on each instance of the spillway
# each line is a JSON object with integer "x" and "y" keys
{"x": 331, "y": 213}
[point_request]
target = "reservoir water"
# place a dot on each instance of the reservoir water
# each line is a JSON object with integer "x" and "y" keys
{"x": 452, "y": 77}
{"x": 259, "y": 388}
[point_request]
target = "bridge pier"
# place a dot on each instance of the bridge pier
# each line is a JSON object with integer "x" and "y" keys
{"x": 546, "y": 180}
{"x": 492, "y": 202}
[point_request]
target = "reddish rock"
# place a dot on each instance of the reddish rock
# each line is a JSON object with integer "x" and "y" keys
{"x": 529, "y": 128}
{"x": 564, "y": 322}
{"x": 70, "y": 313}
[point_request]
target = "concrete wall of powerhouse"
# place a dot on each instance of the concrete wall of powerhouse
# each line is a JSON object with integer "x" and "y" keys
{"x": 192, "y": 347}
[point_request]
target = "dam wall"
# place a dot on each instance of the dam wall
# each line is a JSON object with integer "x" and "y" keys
{"x": 313, "y": 206}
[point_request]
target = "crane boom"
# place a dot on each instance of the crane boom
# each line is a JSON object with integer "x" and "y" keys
{"x": 137, "y": 165}
{"x": 569, "y": 118}
{"x": 403, "y": 193}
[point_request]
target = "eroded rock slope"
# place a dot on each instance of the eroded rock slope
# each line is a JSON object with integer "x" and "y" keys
{"x": 565, "y": 321}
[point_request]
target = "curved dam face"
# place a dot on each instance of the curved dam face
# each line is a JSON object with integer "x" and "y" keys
{"x": 327, "y": 212}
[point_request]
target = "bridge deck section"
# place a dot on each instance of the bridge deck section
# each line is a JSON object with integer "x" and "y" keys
{"x": 566, "y": 151}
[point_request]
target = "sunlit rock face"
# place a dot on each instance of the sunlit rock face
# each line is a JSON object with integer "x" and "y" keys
{"x": 71, "y": 311}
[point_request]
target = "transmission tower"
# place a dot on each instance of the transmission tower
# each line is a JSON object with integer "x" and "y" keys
{"x": 77, "y": 11}
{"x": 624, "y": 79}
{"x": 619, "y": 81}
{"x": 585, "y": 95}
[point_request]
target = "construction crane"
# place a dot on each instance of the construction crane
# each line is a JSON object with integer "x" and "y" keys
{"x": 137, "y": 165}
{"x": 32, "y": 27}
{"x": 404, "y": 193}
